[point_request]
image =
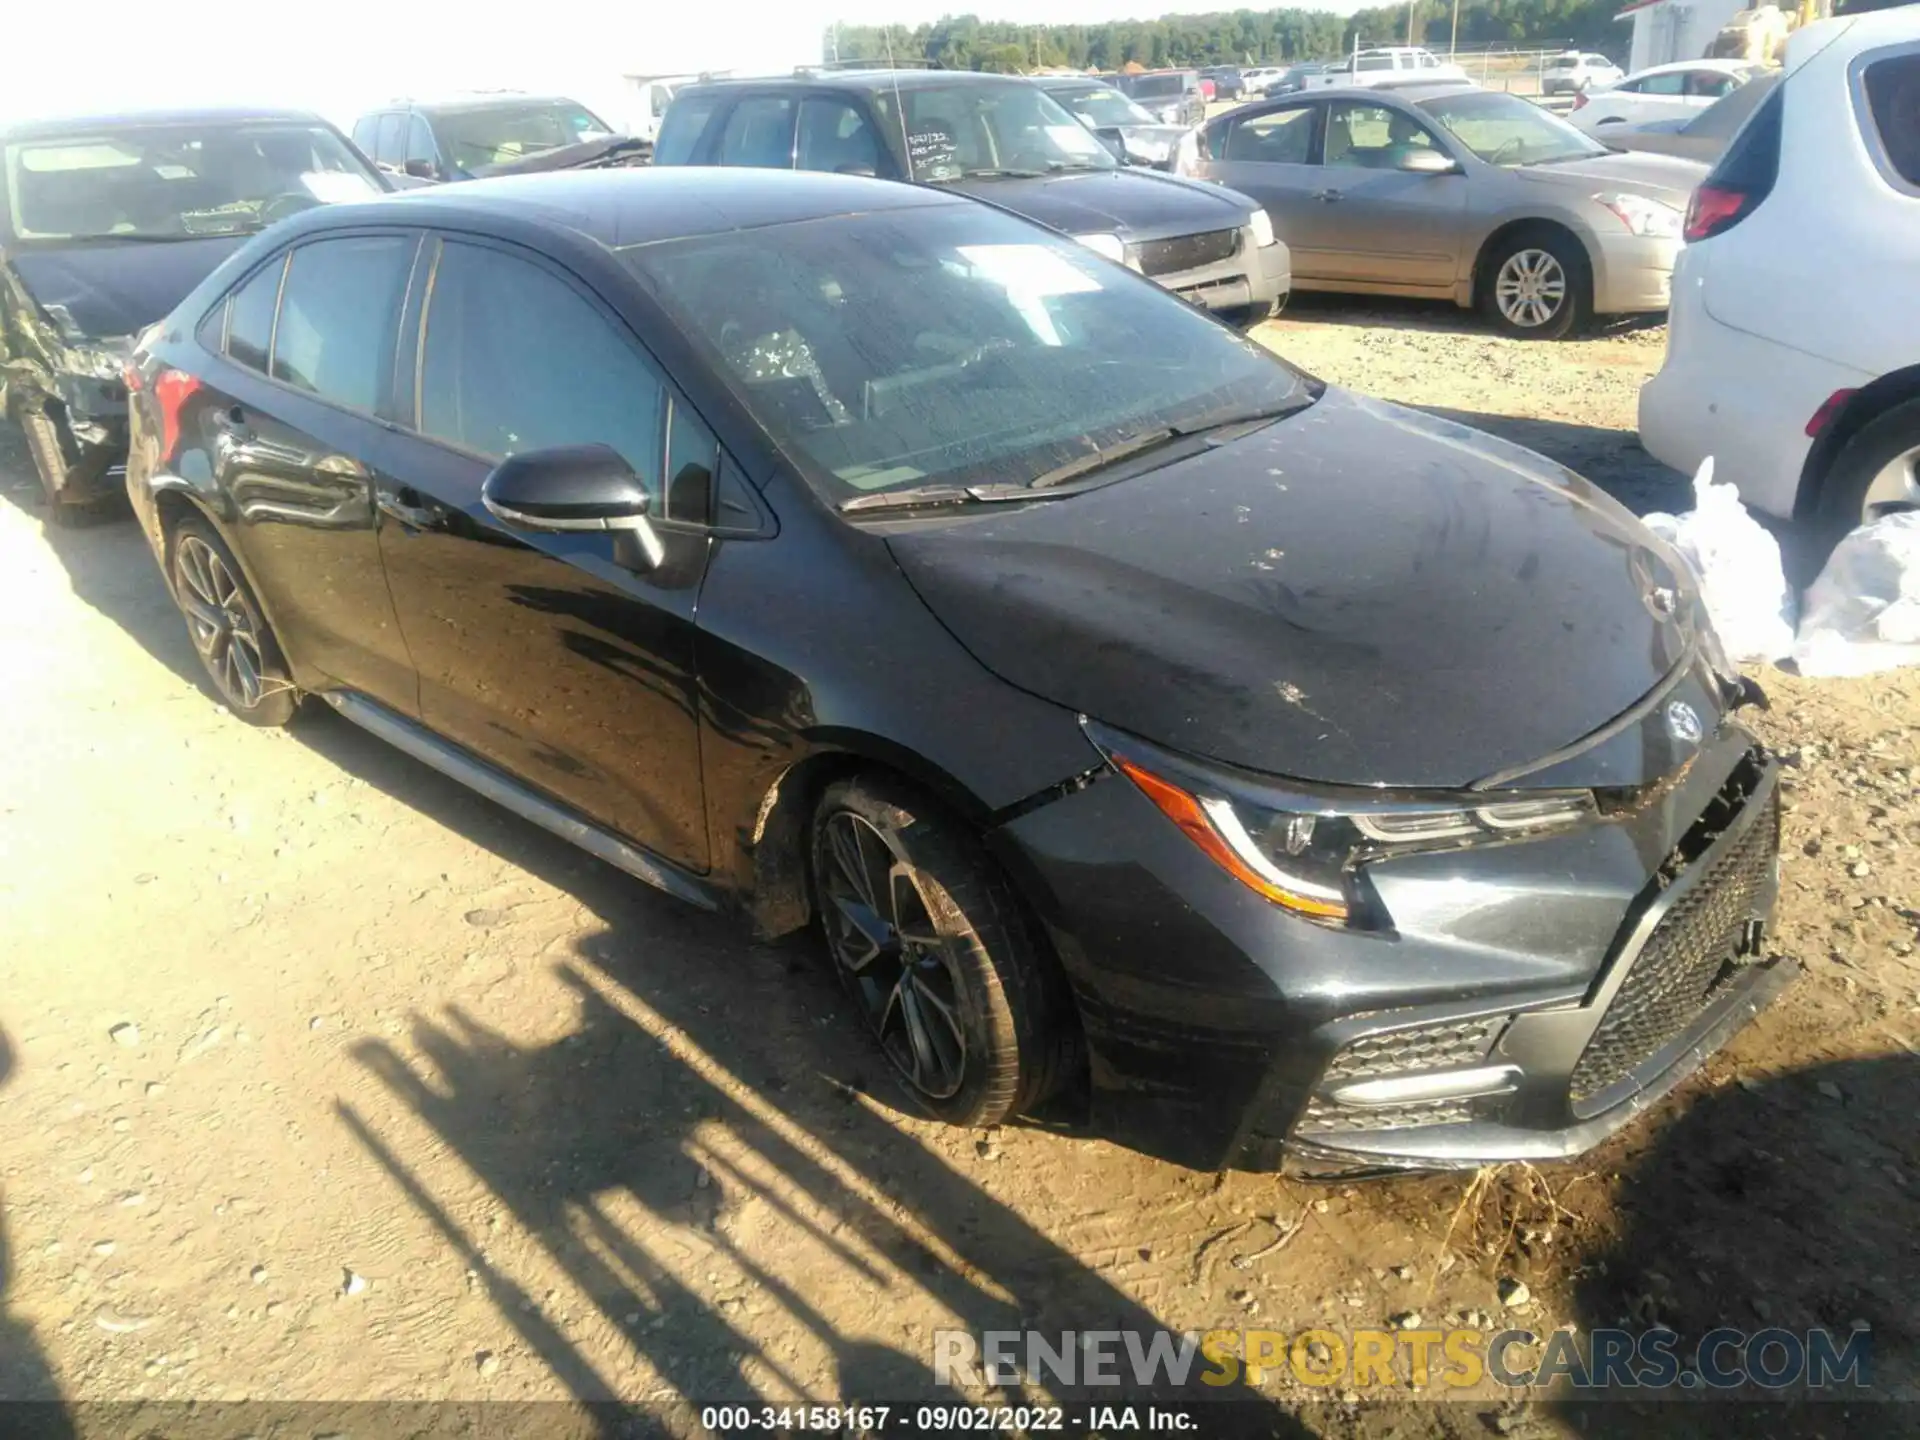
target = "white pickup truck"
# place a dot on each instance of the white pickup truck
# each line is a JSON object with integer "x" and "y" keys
{"x": 1389, "y": 65}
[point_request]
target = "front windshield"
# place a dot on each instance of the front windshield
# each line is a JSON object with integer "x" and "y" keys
{"x": 176, "y": 181}
{"x": 497, "y": 134}
{"x": 949, "y": 343}
{"x": 953, "y": 131}
{"x": 1507, "y": 130}
{"x": 1104, "y": 106}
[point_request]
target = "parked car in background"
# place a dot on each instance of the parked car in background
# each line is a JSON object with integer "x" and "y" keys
{"x": 1806, "y": 391}
{"x": 499, "y": 134}
{"x": 1258, "y": 77}
{"x": 106, "y": 222}
{"x": 1005, "y": 140}
{"x": 913, "y": 587}
{"x": 1111, "y": 115}
{"x": 1661, "y": 92}
{"x": 1228, "y": 84}
{"x": 1454, "y": 192}
{"x": 1173, "y": 97}
{"x": 1705, "y": 136}
{"x": 1294, "y": 78}
{"x": 1576, "y": 72}
{"x": 1389, "y": 65}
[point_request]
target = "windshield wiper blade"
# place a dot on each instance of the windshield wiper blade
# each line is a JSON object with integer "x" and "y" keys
{"x": 991, "y": 173}
{"x": 1101, "y": 458}
{"x": 916, "y": 496}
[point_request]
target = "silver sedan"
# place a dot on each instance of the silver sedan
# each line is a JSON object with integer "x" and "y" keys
{"x": 1452, "y": 192}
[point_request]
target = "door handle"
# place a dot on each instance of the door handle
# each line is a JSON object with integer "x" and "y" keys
{"x": 1327, "y": 195}
{"x": 402, "y": 506}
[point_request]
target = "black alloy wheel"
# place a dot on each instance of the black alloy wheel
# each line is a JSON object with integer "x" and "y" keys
{"x": 229, "y": 633}
{"x": 936, "y": 952}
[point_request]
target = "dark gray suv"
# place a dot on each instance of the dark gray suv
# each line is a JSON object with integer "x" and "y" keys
{"x": 999, "y": 139}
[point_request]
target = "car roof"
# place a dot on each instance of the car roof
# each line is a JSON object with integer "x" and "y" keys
{"x": 1672, "y": 65}
{"x": 84, "y": 122}
{"x": 876, "y": 79}
{"x": 456, "y": 104}
{"x": 623, "y": 207}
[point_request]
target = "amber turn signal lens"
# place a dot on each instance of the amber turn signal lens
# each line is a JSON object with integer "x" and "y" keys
{"x": 1186, "y": 812}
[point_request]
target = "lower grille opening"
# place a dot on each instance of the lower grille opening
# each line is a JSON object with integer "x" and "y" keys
{"x": 1393, "y": 1054}
{"x": 1703, "y": 942}
{"x": 1185, "y": 252}
{"x": 1323, "y": 1117}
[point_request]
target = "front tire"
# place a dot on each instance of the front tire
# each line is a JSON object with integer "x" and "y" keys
{"x": 229, "y": 633}
{"x": 937, "y": 952}
{"x": 1537, "y": 285}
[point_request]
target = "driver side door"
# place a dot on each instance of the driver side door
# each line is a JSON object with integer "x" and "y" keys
{"x": 1392, "y": 229}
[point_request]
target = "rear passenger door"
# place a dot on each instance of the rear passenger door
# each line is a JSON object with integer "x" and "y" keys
{"x": 759, "y": 132}
{"x": 295, "y": 432}
{"x": 543, "y": 653}
{"x": 1269, "y": 157}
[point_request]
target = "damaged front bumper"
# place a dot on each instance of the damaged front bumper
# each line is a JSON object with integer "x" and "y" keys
{"x": 1528, "y": 999}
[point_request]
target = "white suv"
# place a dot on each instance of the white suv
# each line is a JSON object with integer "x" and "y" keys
{"x": 1574, "y": 74}
{"x": 1793, "y": 347}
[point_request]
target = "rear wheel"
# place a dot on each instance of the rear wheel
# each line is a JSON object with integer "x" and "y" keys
{"x": 1876, "y": 474}
{"x": 1536, "y": 285}
{"x": 230, "y": 635}
{"x": 938, "y": 954}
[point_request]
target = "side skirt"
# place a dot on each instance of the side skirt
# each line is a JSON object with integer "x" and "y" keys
{"x": 529, "y": 804}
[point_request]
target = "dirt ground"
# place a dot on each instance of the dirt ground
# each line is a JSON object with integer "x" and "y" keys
{"x": 322, "y": 1079}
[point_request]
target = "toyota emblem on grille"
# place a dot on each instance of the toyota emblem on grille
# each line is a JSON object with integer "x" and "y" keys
{"x": 1683, "y": 722}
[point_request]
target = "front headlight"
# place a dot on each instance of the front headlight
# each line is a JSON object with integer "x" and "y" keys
{"x": 1109, "y": 246}
{"x": 1261, "y": 224}
{"x": 1303, "y": 847}
{"x": 1643, "y": 216}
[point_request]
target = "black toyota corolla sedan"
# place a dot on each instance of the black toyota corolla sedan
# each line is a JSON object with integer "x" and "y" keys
{"x": 1279, "y": 776}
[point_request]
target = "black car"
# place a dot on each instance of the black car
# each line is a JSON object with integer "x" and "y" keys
{"x": 1296, "y": 78}
{"x": 1141, "y": 140}
{"x": 1271, "y": 773}
{"x": 106, "y": 222}
{"x": 1173, "y": 97}
{"x": 1228, "y": 83}
{"x": 1001, "y": 139}
{"x": 501, "y": 134}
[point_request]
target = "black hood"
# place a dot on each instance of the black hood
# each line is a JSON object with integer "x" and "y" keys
{"x": 588, "y": 154}
{"x": 1134, "y": 204}
{"x": 1358, "y": 594}
{"x": 112, "y": 288}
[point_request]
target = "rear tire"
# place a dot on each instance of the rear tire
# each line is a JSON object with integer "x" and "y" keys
{"x": 1876, "y": 473}
{"x": 229, "y": 633}
{"x": 1537, "y": 285}
{"x": 938, "y": 953}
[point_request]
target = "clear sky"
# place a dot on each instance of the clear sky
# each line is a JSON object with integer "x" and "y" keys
{"x": 340, "y": 56}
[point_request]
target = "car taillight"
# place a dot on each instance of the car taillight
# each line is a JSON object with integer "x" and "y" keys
{"x": 1580, "y": 100}
{"x": 1829, "y": 408}
{"x": 171, "y": 391}
{"x": 1715, "y": 208}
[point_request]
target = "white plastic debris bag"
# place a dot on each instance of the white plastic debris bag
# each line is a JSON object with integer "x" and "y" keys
{"x": 1738, "y": 566}
{"x": 1863, "y": 613}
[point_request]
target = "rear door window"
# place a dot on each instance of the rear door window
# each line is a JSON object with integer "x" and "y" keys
{"x": 681, "y": 128}
{"x": 1893, "y": 100}
{"x": 390, "y": 146}
{"x": 419, "y": 144}
{"x": 340, "y": 315}
{"x": 250, "y": 317}
{"x": 759, "y": 133}
{"x": 516, "y": 359}
{"x": 1711, "y": 83}
{"x": 836, "y": 136}
{"x": 1284, "y": 137}
{"x": 1674, "y": 82}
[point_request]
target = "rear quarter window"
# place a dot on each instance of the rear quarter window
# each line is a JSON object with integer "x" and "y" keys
{"x": 1893, "y": 107}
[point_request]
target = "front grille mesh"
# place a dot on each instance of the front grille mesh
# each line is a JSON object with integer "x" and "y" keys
{"x": 1323, "y": 1118}
{"x": 1185, "y": 252}
{"x": 1687, "y": 959}
{"x": 1451, "y": 1045}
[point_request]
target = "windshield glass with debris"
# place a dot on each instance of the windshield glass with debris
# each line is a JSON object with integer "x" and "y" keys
{"x": 950, "y": 343}
{"x": 175, "y": 181}
{"x": 498, "y": 134}
{"x": 1103, "y": 105}
{"x": 955, "y": 132}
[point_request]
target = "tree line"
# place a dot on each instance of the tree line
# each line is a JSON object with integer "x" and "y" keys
{"x": 1238, "y": 37}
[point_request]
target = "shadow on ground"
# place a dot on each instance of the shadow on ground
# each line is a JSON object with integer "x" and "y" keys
{"x": 1792, "y": 1202}
{"x": 1392, "y": 312}
{"x": 25, "y": 1374}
